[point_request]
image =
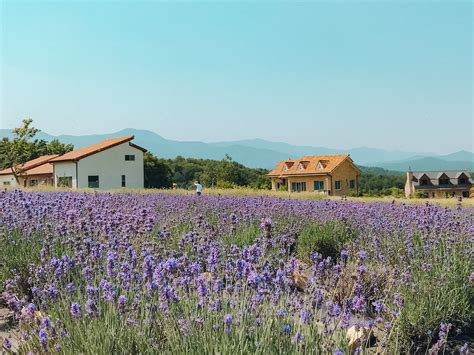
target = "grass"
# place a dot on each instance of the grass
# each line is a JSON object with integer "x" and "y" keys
{"x": 327, "y": 239}
{"x": 246, "y": 191}
{"x": 17, "y": 253}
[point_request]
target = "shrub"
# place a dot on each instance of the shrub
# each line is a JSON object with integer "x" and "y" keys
{"x": 16, "y": 255}
{"x": 327, "y": 239}
{"x": 244, "y": 235}
{"x": 442, "y": 292}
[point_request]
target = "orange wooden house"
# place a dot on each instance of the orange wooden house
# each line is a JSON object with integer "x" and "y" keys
{"x": 333, "y": 175}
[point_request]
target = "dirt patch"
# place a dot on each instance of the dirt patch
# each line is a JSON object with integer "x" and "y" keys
{"x": 8, "y": 329}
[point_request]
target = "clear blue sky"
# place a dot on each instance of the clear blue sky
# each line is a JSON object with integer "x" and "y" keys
{"x": 395, "y": 75}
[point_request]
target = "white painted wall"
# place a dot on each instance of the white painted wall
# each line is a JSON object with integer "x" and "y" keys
{"x": 110, "y": 165}
{"x": 64, "y": 169}
{"x": 7, "y": 178}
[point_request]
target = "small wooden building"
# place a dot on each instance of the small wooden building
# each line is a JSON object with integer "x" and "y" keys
{"x": 333, "y": 175}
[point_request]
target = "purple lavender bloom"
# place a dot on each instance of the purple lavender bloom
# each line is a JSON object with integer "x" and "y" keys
{"x": 228, "y": 323}
{"x": 378, "y": 306}
{"x": 282, "y": 312}
{"x": 397, "y": 299}
{"x": 91, "y": 308}
{"x": 286, "y": 328}
{"x": 43, "y": 337}
{"x": 70, "y": 288}
{"x": 87, "y": 273}
{"x": 344, "y": 255}
{"x": 298, "y": 338}
{"x": 338, "y": 352}
{"x": 358, "y": 303}
{"x": 122, "y": 303}
{"x": 427, "y": 267}
{"x": 46, "y": 322}
{"x": 362, "y": 255}
{"x": 75, "y": 310}
{"x": 7, "y": 344}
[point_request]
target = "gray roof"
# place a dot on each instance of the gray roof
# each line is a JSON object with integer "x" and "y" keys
{"x": 434, "y": 177}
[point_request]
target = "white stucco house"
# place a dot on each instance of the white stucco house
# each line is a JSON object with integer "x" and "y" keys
{"x": 110, "y": 164}
{"x": 32, "y": 173}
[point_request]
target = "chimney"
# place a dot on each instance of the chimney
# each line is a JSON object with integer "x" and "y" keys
{"x": 409, "y": 188}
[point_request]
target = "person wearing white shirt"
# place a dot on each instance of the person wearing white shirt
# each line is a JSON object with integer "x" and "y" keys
{"x": 198, "y": 188}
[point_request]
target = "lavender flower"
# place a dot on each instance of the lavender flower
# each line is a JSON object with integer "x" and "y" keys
{"x": 228, "y": 323}
{"x": 75, "y": 310}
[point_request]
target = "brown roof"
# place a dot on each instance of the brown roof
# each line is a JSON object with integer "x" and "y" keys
{"x": 38, "y": 164}
{"x": 45, "y": 169}
{"x": 95, "y": 148}
{"x": 309, "y": 165}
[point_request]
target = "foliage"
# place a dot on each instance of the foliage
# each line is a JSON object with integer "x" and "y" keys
{"x": 327, "y": 239}
{"x": 157, "y": 172}
{"x": 225, "y": 173}
{"x": 22, "y": 148}
{"x": 381, "y": 182}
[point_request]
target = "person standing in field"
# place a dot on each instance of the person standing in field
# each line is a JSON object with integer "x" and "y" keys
{"x": 198, "y": 188}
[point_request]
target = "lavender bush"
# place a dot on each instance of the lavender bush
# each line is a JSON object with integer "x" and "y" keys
{"x": 130, "y": 273}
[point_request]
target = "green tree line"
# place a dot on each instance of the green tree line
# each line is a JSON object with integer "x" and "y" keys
{"x": 163, "y": 173}
{"x": 225, "y": 173}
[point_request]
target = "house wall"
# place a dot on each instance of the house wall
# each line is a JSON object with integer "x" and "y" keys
{"x": 444, "y": 193}
{"x": 40, "y": 180}
{"x": 345, "y": 172}
{"x": 65, "y": 169}
{"x": 309, "y": 181}
{"x": 5, "y": 179}
{"x": 110, "y": 165}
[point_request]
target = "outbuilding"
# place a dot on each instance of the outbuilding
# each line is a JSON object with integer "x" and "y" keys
{"x": 110, "y": 164}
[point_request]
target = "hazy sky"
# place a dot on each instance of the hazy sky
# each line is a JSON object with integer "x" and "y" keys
{"x": 394, "y": 75}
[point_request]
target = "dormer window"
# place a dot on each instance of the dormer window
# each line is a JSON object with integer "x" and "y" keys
{"x": 463, "y": 180}
{"x": 302, "y": 165}
{"x": 287, "y": 165}
{"x": 444, "y": 181}
{"x": 321, "y": 164}
{"x": 424, "y": 181}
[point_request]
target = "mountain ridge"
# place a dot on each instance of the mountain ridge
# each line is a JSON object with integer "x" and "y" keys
{"x": 262, "y": 153}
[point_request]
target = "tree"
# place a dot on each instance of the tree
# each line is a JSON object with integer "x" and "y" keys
{"x": 158, "y": 174}
{"x": 18, "y": 150}
{"x": 15, "y": 152}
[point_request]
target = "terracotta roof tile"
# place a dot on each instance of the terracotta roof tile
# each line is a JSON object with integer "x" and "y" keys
{"x": 33, "y": 164}
{"x": 309, "y": 165}
{"x": 45, "y": 169}
{"x": 95, "y": 148}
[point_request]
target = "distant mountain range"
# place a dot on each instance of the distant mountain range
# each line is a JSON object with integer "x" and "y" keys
{"x": 265, "y": 154}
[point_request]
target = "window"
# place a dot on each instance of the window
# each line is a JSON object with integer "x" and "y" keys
{"x": 65, "y": 181}
{"x": 129, "y": 157}
{"x": 424, "y": 182}
{"x": 6, "y": 183}
{"x": 321, "y": 164}
{"x": 93, "y": 181}
{"x": 352, "y": 184}
{"x": 318, "y": 185}
{"x": 338, "y": 184}
{"x": 298, "y": 186}
{"x": 123, "y": 181}
{"x": 33, "y": 182}
{"x": 444, "y": 181}
{"x": 462, "y": 181}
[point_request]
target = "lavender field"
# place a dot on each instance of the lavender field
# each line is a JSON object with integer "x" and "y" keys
{"x": 102, "y": 273}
